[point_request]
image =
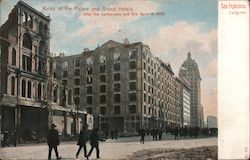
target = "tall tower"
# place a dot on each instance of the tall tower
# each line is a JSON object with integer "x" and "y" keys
{"x": 189, "y": 70}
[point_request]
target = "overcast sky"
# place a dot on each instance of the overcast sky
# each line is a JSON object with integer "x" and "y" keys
{"x": 187, "y": 25}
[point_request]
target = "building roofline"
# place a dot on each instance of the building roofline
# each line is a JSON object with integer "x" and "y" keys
{"x": 21, "y": 3}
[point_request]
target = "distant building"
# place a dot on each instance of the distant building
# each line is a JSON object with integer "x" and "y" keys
{"x": 190, "y": 71}
{"x": 185, "y": 102}
{"x": 123, "y": 85}
{"x": 212, "y": 122}
{"x": 201, "y": 116}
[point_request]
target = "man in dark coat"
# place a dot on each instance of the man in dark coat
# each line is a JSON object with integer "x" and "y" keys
{"x": 160, "y": 133}
{"x": 5, "y": 138}
{"x": 82, "y": 142}
{"x": 155, "y": 134}
{"x": 142, "y": 134}
{"x": 53, "y": 141}
{"x": 94, "y": 142}
{"x": 176, "y": 133}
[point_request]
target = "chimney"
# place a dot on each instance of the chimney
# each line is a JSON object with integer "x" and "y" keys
{"x": 86, "y": 49}
{"x": 61, "y": 54}
{"x": 126, "y": 42}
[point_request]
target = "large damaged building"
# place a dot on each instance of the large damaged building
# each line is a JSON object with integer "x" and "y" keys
{"x": 29, "y": 93}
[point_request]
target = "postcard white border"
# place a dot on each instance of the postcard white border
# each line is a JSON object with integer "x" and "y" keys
{"x": 233, "y": 82}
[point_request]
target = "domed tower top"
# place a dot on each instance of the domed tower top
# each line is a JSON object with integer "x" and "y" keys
{"x": 189, "y": 68}
{"x": 189, "y": 56}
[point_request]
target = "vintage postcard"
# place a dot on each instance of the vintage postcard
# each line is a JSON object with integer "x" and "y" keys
{"x": 118, "y": 79}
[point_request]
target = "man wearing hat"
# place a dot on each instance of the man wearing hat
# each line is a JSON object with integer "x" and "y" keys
{"x": 53, "y": 141}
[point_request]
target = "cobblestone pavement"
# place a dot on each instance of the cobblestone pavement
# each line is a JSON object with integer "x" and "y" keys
{"x": 111, "y": 149}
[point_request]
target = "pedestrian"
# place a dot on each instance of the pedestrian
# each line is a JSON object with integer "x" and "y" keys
{"x": 112, "y": 134}
{"x": 176, "y": 132}
{"x": 156, "y": 133}
{"x": 185, "y": 132}
{"x": 142, "y": 134}
{"x": 153, "y": 133}
{"x": 82, "y": 139}
{"x": 94, "y": 142}
{"x": 116, "y": 133}
{"x": 147, "y": 131}
{"x": 160, "y": 133}
{"x": 106, "y": 133}
{"x": 53, "y": 141}
{"x": 14, "y": 137}
{"x": 5, "y": 138}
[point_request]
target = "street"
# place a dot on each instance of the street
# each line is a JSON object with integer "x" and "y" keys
{"x": 110, "y": 149}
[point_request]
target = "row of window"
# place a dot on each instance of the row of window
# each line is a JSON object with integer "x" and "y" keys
{"x": 102, "y": 69}
{"x": 28, "y": 21}
{"x": 117, "y": 77}
{"x": 27, "y": 59}
{"x": 153, "y": 112}
{"x": 117, "y": 98}
{"x": 89, "y": 60}
{"x": 26, "y": 90}
{"x": 62, "y": 94}
{"x": 116, "y": 56}
{"x": 117, "y": 88}
{"x": 116, "y": 110}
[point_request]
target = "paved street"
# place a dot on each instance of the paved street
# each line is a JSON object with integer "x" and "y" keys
{"x": 111, "y": 149}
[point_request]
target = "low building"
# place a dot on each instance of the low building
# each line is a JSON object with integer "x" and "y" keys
{"x": 212, "y": 122}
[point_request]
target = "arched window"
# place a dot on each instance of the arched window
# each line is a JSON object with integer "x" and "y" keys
{"x": 30, "y": 21}
{"x": 13, "y": 57}
{"x": 29, "y": 89}
{"x": 25, "y": 17}
{"x": 40, "y": 27}
{"x": 12, "y": 85}
{"x": 42, "y": 48}
{"x": 23, "y": 88}
{"x": 27, "y": 43}
{"x": 45, "y": 28}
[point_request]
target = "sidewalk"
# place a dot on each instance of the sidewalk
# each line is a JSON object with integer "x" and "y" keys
{"x": 108, "y": 149}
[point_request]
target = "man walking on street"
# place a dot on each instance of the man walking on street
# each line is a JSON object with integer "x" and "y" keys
{"x": 142, "y": 134}
{"x": 94, "y": 142}
{"x": 176, "y": 133}
{"x": 53, "y": 141}
{"x": 82, "y": 142}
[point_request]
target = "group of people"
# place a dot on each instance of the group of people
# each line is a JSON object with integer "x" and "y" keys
{"x": 192, "y": 132}
{"x": 177, "y": 132}
{"x": 156, "y": 134}
{"x": 53, "y": 142}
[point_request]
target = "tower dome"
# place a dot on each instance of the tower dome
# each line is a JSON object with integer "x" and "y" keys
{"x": 189, "y": 68}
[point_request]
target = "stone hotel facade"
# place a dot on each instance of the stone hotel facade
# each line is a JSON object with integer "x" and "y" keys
{"x": 123, "y": 85}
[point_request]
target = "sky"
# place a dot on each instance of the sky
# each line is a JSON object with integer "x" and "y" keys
{"x": 180, "y": 27}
